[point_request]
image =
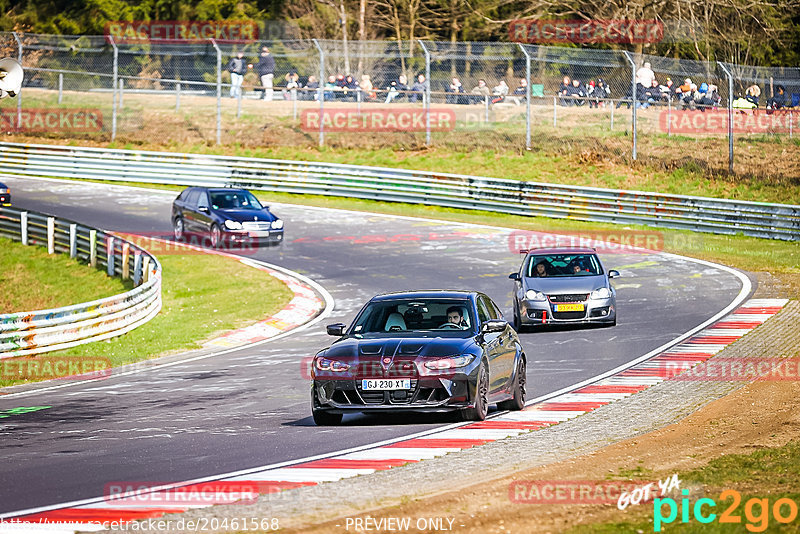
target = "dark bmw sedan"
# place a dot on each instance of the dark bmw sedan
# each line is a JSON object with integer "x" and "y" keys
{"x": 420, "y": 351}
{"x": 5, "y": 195}
{"x": 224, "y": 215}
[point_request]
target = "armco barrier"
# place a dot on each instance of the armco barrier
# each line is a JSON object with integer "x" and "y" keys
{"x": 34, "y": 332}
{"x": 776, "y": 221}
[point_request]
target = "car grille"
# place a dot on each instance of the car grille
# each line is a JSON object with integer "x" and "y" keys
{"x": 569, "y": 315}
{"x": 581, "y": 297}
{"x": 256, "y": 225}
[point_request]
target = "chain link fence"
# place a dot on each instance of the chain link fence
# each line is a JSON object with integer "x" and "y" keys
{"x": 465, "y": 95}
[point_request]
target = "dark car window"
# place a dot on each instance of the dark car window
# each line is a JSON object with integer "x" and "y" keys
{"x": 202, "y": 201}
{"x": 226, "y": 200}
{"x": 419, "y": 315}
{"x": 483, "y": 311}
{"x": 191, "y": 197}
{"x": 493, "y": 307}
{"x": 564, "y": 265}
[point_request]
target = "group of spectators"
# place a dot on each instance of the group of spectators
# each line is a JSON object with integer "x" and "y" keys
{"x": 572, "y": 92}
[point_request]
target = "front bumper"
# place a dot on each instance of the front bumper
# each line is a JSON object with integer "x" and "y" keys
{"x": 260, "y": 238}
{"x": 533, "y": 313}
{"x": 426, "y": 394}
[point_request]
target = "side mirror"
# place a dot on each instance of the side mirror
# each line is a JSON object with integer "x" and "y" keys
{"x": 515, "y": 276}
{"x": 493, "y": 325}
{"x": 204, "y": 209}
{"x": 613, "y": 273}
{"x": 336, "y": 329}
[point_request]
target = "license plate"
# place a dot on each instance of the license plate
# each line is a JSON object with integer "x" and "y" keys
{"x": 259, "y": 234}
{"x": 386, "y": 384}
{"x": 569, "y": 307}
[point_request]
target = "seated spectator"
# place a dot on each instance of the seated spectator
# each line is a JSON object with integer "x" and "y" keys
{"x": 752, "y": 94}
{"x": 601, "y": 92}
{"x": 349, "y": 89}
{"x": 641, "y": 96}
{"x": 778, "y": 100}
{"x": 418, "y": 90}
{"x": 397, "y": 89}
{"x": 576, "y": 96}
{"x": 368, "y": 93}
{"x": 521, "y": 92}
{"x": 710, "y": 98}
{"x": 685, "y": 94}
{"x": 311, "y": 89}
{"x": 454, "y": 92}
{"x": 653, "y": 93}
{"x": 667, "y": 90}
{"x": 480, "y": 93}
{"x": 290, "y": 92}
{"x": 499, "y": 92}
{"x": 563, "y": 91}
{"x": 331, "y": 88}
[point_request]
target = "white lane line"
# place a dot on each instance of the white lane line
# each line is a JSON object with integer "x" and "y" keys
{"x": 304, "y": 474}
{"x": 398, "y": 453}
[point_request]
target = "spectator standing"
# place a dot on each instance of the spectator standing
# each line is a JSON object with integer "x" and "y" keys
{"x": 265, "y": 68}
{"x": 645, "y": 75}
{"x": 237, "y": 67}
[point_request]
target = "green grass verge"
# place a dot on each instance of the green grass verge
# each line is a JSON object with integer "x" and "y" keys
{"x": 203, "y": 296}
{"x": 770, "y": 474}
{"x": 32, "y": 279}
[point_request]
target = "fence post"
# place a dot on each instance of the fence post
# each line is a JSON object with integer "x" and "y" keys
{"x": 146, "y": 269}
{"x": 126, "y": 256}
{"x": 321, "y": 97}
{"x": 60, "y": 86}
{"x": 23, "y": 227}
{"x": 73, "y": 240}
{"x": 19, "y": 96}
{"x": 177, "y": 96}
{"x": 219, "y": 91}
{"x": 114, "y": 89}
{"x": 633, "y": 100}
{"x": 527, "y": 97}
{"x": 51, "y": 235}
{"x": 427, "y": 95}
{"x": 93, "y": 248}
{"x": 110, "y": 256}
{"x": 730, "y": 115}
{"x": 137, "y": 268}
{"x": 121, "y": 92}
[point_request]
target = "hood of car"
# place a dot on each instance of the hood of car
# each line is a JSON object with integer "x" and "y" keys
{"x": 567, "y": 284}
{"x": 398, "y": 347}
{"x": 243, "y": 215}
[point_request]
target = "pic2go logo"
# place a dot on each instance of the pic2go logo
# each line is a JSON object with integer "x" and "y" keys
{"x": 756, "y": 511}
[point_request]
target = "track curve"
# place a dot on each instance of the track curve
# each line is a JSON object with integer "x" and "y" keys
{"x": 250, "y": 407}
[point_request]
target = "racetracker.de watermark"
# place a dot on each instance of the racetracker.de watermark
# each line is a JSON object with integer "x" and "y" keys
{"x": 181, "y": 31}
{"x": 164, "y": 244}
{"x": 51, "y": 367}
{"x": 716, "y": 122}
{"x": 143, "y": 493}
{"x": 378, "y": 120}
{"x": 571, "y": 491}
{"x": 604, "y": 242}
{"x": 619, "y": 31}
{"x": 56, "y": 120}
{"x": 733, "y": 370}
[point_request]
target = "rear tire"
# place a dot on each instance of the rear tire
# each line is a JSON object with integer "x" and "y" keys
{"x": 517, "y": 402}
{"x": 481, "y": 408}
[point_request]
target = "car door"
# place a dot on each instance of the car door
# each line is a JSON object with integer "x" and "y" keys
{"x": 189, "y": 210}
{"x": 507, "y": 347}
{"x": 492, "y": 346}
{"x": 203, "y": 215}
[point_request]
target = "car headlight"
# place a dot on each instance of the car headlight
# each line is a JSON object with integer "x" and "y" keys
{"x": 450, "y": 363}
{"x": 3, "y": 191}
{"x": 277, "y": 224}
{"x": 233, "y": 225}
{"x": 535, "y": 295}
{"x": 602, "y": 293}
{"x": 324, "y": 364}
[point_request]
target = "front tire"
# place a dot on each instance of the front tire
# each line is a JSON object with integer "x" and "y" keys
{"x": 216, "y": 236}
{"x": 178, "y": 229}
{"x": 481, "y": 408}
{"x": 517, "y": 402}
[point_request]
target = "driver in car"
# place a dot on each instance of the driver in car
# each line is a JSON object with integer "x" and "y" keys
{"x": 454, "y": 317}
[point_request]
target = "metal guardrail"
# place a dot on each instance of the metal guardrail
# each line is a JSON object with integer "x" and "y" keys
{"x": 34, "y": 332}
{"x": 721, "y": 216}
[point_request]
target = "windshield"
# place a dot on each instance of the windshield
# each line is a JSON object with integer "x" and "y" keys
{"x": 563, "y": 265}
{"x": 241, "y": 200}
{"x": 401, "y": 316}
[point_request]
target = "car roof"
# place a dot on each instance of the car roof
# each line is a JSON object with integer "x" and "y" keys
{"x": 562, "y": 250}
{"x": 426, "y": 293}
{"x": 220, "y": 189}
